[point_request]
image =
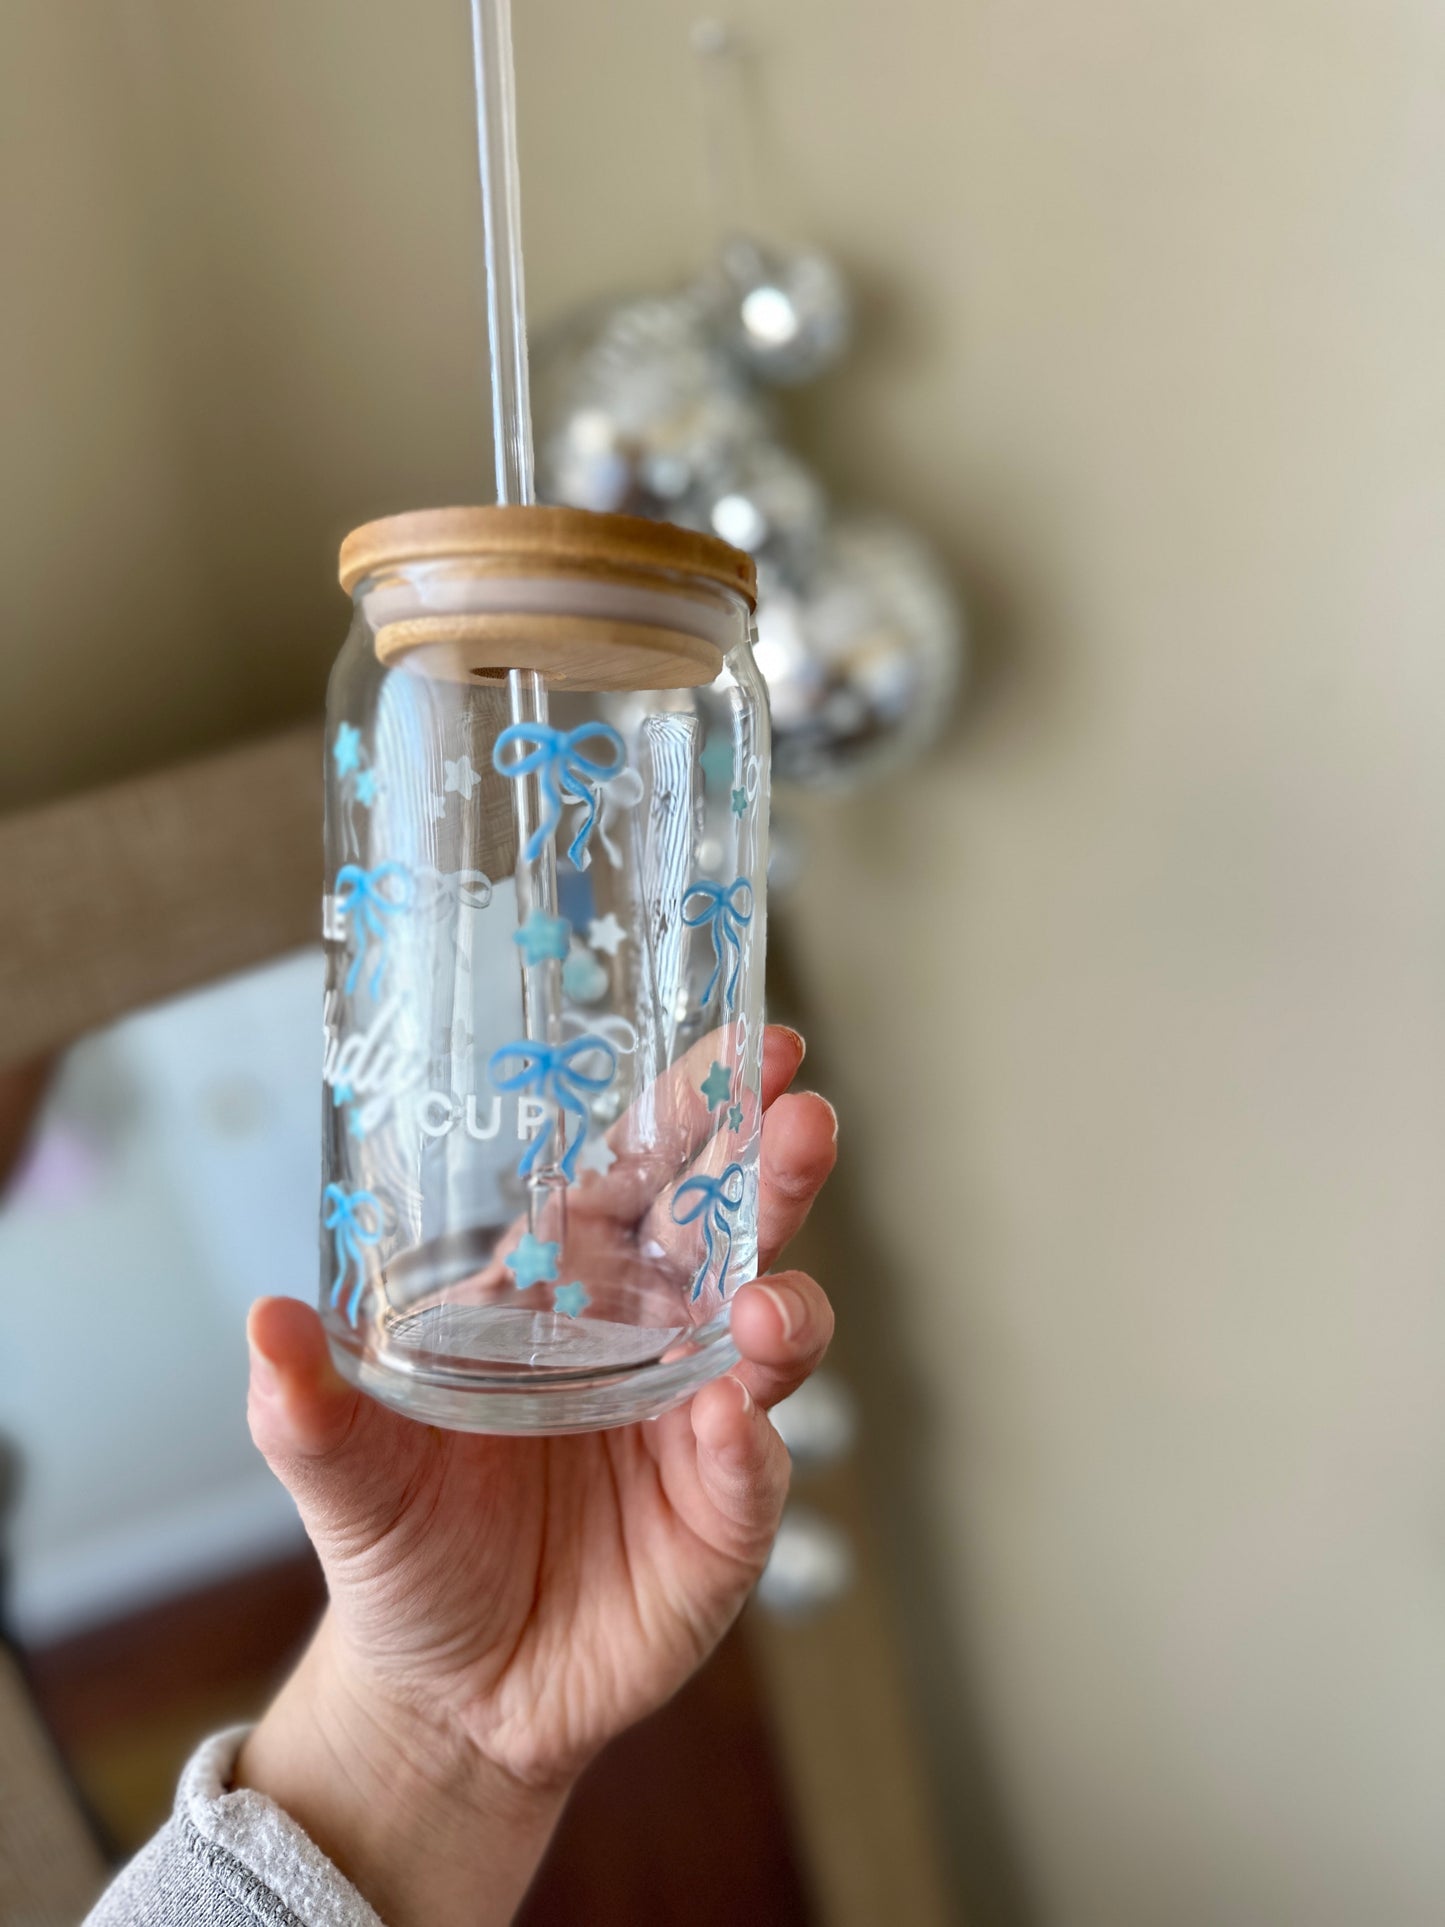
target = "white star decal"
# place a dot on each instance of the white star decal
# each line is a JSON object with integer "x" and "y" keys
{"x": 606, "y": 933}
{"x": 597, "y": 1155}
{"x": 462, "y": 779}
{"x": 436, "y": 806}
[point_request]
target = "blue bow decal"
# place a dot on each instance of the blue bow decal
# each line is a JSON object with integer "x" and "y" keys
{"x": 355, "y": 1220}
{"x": 549, "y": 1070}
{"x": 365, "y": 892}
{"x": 566, "y": 772}
{"x": 717, "y": 1198}
{"x": 729, "y": 909}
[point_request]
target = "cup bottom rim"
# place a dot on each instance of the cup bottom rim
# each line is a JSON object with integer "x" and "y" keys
{"x": 537, "y": 1408}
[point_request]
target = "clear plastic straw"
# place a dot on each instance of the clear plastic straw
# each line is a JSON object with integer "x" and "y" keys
{"x": 502, "y": 231}
{"x": 512, "y": 443}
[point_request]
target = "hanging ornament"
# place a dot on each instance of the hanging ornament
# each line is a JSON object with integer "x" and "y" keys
{"x": 785, "y": 313}
{"x": 787, "y": 853}
{"x": 761, "y": 498}
{"x": 862, "y": 644}
{"x": 818, "y": 1423}
{"x": 655, "y": 407}
{"x": 811, "y": 1565}
{"x": 634, "y": 404}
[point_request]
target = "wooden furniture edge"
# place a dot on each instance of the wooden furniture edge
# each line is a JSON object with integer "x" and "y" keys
{"x": 120, "y": 897}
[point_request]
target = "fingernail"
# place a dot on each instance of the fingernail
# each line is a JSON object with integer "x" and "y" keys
{"x": 798, "y": 1039}
{"x": 832, "y": 1114}
{"x": 739, "y": 1451}
{"x": 265, "y": 1380}
{"x": 789, "y": 1310}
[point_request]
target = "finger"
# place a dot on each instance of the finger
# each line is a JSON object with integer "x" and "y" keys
{"x": 783, "y": 1054}
{"x": 639, "y": 1179}
{"x": 672, "y": 1117}
{"x": 782, "y": 1326}
{"x": 799, "y": 1146}
{"x": 671, "y": 1121}
{"x": 799, "y": 1149}
{"x": 742, "y": 1466}
{"x": 676, "y": 1108}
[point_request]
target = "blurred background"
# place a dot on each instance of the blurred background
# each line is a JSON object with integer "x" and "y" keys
{"x": 1129, "y": 994}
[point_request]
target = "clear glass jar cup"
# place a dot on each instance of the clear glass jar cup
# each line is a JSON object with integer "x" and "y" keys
{"x": 546, "y": 850}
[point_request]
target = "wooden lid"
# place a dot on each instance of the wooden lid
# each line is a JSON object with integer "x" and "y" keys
{"x": 541, "y": 541}
{"x": 575, "y": 652}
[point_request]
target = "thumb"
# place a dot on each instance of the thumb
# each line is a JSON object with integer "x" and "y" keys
{"x": 316, "y": 1432}
{"x": 298, "y": 1404}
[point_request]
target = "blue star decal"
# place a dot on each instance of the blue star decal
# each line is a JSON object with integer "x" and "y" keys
{"x": 340, "y": 1094}
{"x": 354, "y": 1125}
{"x": 570, "y": 1299}
{"x": 717, "y": 1086}
{"x": 583, "y": 978}
{"x": 735, "y": 1118}
{"x": 366, "y": 788}
{"x": 717, "y": 761}
{"x": 346, "y": 750}
{"x": 740, "y": 802}
{"x": 534, "y": 1261}
{"x": 541, "y": 937}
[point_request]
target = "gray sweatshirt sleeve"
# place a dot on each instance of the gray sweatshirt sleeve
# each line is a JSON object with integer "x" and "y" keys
{"x": 229, "y": 1860}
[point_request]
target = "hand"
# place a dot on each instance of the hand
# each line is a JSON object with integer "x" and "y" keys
{"x": 501, "y": 1607}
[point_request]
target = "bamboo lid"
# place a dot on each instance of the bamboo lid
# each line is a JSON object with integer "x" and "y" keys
{"x": 593, "y": 632}
{"x": 543, "y": 540}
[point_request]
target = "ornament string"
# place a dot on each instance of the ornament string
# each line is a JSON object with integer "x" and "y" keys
{"x": 727, "y": 186}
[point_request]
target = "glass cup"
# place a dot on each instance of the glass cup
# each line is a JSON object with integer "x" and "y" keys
{"x": 546, "y": 850}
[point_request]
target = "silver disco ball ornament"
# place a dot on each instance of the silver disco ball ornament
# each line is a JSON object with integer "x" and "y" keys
{"x": 819, "y": 1422}
{"x": 810, "y": 1566}
{"x": 634, "y": 404}
{"x": 787, "y": 853}
{"x": 785, "y": 313}
{"x": 862, "y": 642}
{"x": 761, "y": 498}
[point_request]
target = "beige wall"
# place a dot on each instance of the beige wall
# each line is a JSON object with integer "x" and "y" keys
{"x": 1135, "y": 998}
